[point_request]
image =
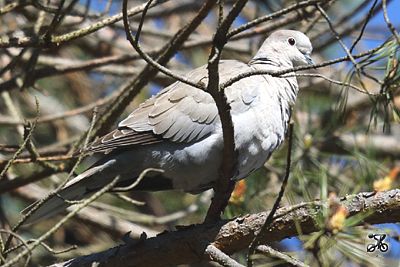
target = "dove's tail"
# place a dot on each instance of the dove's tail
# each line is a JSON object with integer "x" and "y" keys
{"x": 55, "y": 204}
{"x": 81, "y": 187}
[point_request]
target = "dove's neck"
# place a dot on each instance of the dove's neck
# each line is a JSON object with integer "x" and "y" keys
{"x": 270, "y": 61}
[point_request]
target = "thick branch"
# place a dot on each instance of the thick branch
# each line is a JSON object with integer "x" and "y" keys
{"x": 235, "y": 235}
{"x": 224, "y": 186}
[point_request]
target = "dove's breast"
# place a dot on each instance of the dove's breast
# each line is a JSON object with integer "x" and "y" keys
{"x": 260, "y": 115}
{"x": 262, "y": 128}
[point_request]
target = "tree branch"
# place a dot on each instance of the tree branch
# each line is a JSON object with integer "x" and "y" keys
{"x": 234, "y": 235}
{"x": 220, "y": 257}
{"x": 224, "y": 185}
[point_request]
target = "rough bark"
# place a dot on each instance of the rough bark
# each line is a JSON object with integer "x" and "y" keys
{"x": 188, "y": 244}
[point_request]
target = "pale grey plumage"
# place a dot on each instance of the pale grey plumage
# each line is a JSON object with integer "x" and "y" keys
{"x": 179, "y": 130}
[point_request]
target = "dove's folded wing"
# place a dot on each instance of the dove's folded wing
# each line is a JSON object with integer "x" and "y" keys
{"x": 180, "y": 113}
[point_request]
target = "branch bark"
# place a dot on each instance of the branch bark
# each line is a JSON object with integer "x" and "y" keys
{"x": 188, "y": 244}
{"x": 224, "y": 186}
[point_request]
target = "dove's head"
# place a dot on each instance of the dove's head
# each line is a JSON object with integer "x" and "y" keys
{"x": 287, "y": 45}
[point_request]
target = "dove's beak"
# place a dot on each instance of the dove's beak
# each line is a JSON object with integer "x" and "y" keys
{"x": 308, "y": 58}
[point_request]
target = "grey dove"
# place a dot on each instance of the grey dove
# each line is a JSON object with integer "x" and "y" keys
{"x": 179, "y": 131}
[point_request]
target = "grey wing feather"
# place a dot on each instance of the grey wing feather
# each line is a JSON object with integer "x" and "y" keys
{"x": 120, "y": 138}
{"x": 178, "y": 113}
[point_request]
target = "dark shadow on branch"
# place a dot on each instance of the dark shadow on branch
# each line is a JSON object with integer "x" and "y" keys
{"x": 231, "y": 236}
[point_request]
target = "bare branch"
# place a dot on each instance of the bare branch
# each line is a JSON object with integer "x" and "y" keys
{"x": 220, "y": 257}
{"x": 224, "y": 186}
{"x": 80, "y": 206}
{"x": 235, "y": 235}
{"x": 267, "y": 250}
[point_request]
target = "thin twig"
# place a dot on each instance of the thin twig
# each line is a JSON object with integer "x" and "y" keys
{"x": 389, "y": 24}
{"x": 21, "y": 148}
{"x": 98, "y": 218}
{"x": 135, "y": 44}
{"x": 44, "y": 245}
{"x": 352, "y": 86}
{"x": 79, "y": 207}
{"x": 300, "y": 68}
{"x": 55, "y": 192}
{"x": 138, "y": 180}
{"x": 129, "y": 200}
{"x": 64, "y": 115}
{"x": 367, "y": 19}
{"x": 13, "y": 234}
{"x": 220, "y": 257}
{"x": 294, "y": 7}
{"x": 59, "y": 39}
{"x": 277, "y": 254}
{"x": 9, "y": 185}
{"x": 12, "y": 6}
{"x": 337, "y": 36}
{"x": 346, "y": 29}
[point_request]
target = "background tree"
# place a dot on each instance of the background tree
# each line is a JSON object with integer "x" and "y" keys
{"x": 68, "y": 74}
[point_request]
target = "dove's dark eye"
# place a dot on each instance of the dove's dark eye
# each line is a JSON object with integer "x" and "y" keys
{"x": 291, "y": 41}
